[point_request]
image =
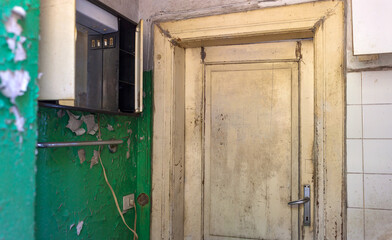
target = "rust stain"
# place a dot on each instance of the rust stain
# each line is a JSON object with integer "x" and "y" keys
{"x": 298, "y": 53}
{"x": 143, "y": 199}
{"x": 165, "y": 32}
{"x": 318, "y": 24}
{"x": 202, "y": 54}
{"x": 174, "y": 42}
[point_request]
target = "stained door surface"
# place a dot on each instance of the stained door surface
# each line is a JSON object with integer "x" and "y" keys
{"x": 250, "y": 150}
{"x": 243, "y": 142}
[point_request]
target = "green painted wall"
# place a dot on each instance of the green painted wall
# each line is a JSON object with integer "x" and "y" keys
{"x": 69, "y": 192}
{"x": 17, "y": 171}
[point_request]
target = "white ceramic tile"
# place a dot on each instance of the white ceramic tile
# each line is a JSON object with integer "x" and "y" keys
{"x": 378, "y": 224}
{"x": 378, "y": 191}
{"x": 376, "y": 87}
{"x": 354, "y": 88}
{"x": 377, "y": 121}
{"x": 354, "y": 121}
{"x": 354, "y": 190}
{"x": 355, "y": 224}
{"x": 377, "y": 156}
{"x": 354, "y": 155}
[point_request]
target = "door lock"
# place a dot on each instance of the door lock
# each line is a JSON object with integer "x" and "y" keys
{"x": 306, "y": 202}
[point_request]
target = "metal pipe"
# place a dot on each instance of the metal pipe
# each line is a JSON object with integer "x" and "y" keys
{"x": 76, "y": 144}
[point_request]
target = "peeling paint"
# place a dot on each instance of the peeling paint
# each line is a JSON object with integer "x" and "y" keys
{"x": 74, "y": 123}
{"x": 110, "y": 128}
{"x": 94, "y": 159}
{"x": 94, "y": 130}
{"x": 19, "y": 120}
{"x": 15, "y": 43}
{"x": 80, "y": 131}
{"x": 12, "y": 25}
{"x": 18, "y": 125}
{"x": 72, "y": 115}
{"x": 14, "y": 84}
{"x": 79, "y": 227}
{"x": 82, "y": 155}
{"x": 92, "y": 126}
{"x": 82, "y": 190}
{"x": 17, "y": 48}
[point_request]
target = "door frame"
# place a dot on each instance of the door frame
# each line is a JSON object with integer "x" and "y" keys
{"x": 324, "y": 22}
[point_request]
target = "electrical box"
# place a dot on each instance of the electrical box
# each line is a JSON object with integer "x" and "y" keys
{"x": 371, "y": 31}
{"x": 90, "y": 57}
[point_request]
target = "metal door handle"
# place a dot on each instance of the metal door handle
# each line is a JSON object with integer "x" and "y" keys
{"x": 300, "y": 201}
{"x": 306, "y": 202}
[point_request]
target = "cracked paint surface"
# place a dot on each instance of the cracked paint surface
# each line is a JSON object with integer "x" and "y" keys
{"x": 71, "y": 189}
{"x": 18, "y": 106}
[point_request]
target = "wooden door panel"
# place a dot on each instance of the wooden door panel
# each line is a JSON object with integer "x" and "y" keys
{"x": 249, "y": 151}
{"x": 243, "y": 151}
{"x": 322, "y": 160}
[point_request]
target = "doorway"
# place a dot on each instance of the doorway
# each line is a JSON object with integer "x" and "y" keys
{"x": 250, "y": 149}
{"x": 203, "y": 178}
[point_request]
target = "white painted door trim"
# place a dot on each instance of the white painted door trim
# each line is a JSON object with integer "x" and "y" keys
{"x": 324, "y": 22}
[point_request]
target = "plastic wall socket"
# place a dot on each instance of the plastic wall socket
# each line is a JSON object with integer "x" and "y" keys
{"x": 128, "y": 202}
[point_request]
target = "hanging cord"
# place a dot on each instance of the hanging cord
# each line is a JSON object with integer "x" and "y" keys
{"x": 111, "y": 189}
{"x": 134, "y": 224}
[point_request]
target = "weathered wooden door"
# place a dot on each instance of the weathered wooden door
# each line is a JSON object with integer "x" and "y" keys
{"x": 249, "y": 135}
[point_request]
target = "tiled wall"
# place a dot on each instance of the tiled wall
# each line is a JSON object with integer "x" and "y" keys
{"x": 369, "y": 155}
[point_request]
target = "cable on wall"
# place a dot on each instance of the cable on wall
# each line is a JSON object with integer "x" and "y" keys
{"x": 114, "y": 195}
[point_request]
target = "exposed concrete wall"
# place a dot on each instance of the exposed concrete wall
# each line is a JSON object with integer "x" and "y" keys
{"x": 157, "y": 11}
{"x": 128, "y": 8}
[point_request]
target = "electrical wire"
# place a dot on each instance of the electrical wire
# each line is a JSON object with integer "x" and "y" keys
{"x": 114, "y": 195}
{"x": 115, "y": 200}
